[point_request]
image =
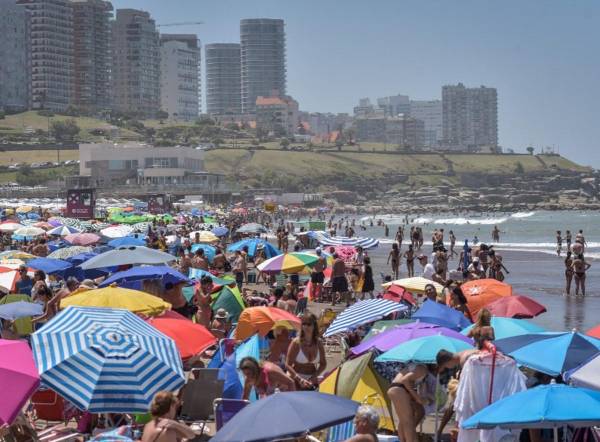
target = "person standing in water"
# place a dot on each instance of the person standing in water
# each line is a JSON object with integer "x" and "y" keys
{"x": 558, "y": 242}
{"x": 580, "y": 266}
{"x": 568, "y": 272}
{"x": 496, "y": 234}
{"x": 568, "y": 238}
{"x": 452, "y": 244}
{"x": 400, "y": 236}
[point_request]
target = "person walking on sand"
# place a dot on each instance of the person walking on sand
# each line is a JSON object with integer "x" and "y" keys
{"x": 400, "y": 236}
{"x": 394, "y": 256}
{"x": 558, "y": 242}
{"x": 410, "y": 261}
{"x": 580, "y": 266}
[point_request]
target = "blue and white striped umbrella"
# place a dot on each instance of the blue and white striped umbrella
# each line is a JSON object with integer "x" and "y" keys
{"x": 361, "y": 313}
{"x": 325, "y": 240}
{"x": 106, "y": 360}
{"x": 63, "y": 231}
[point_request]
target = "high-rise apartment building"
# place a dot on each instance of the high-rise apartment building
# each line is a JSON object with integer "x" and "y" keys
{"x": 135, "y": 63}
{"x": 14, "y": 71}
{"x": 470, "y": 116}
{"x": 263, "y": 60}
{"x": 180, "y": 76}
{"x": 223, "y": 79}
{"x": 50, "y": 53}
{"x": 394, "y": 105}
{"x": 430, "y": 113}
{"x": 91, "y": 43}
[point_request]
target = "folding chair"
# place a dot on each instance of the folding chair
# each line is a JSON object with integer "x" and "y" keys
{"x": 48, "y": 406}
{"x": 198, "y": 396}
{"x": 225, "y": 409}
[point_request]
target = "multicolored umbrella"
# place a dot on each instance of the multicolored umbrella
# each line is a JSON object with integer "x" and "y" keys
{"x": 29, "y": 232}
{"x": 586, "y": 375}
{"x": 63, "y": 231}
{"x": 509, "y": 327}
{"x": 261, "y": 320}
{"x": 15, "y": 254}
{"x": 118, "y": 298}
{"x": 204, "y": 236}
{"x": 69, "y": 252}
{"x": 550, "y": 353}
{"x": 82, "y": 239}
{"x": 403, "y": 333}
{"x": 415, "y": 284}
{"x": 255, "y": 244}
{"x": 191, "y": 339}
{"x": 43, "y": 225}
{"x": 252, "y": 228}
{"x": 288, "y": 263}
{"x": 106, "y": 360}
{"x": 482, "y": 292}
{"x": 18, "y": 378}
{"x": 594, "y": 332}
{"x": 117, "y": 231}
{"x": 423, "y": 350}
{"x": 517, "y": 306}
{"x": 10, "y": 226}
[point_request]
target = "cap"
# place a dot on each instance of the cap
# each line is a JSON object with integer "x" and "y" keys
{"x": 222, "y": 314}
{"x": 476, "y": 259}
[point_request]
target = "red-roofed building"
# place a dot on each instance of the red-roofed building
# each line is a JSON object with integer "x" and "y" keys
{"x": 278, "y": 115}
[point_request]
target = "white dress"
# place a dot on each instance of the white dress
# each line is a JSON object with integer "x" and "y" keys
{"x": 474, "y": 388}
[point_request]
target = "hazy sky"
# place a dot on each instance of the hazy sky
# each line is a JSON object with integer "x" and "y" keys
{"x": 543, "y": 56}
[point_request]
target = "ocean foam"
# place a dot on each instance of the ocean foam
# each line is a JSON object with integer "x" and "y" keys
{"x": 464, "y": 221}
{"x": 522, "y": 214}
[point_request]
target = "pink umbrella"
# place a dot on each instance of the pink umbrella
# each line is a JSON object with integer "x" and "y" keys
{"x": 19, "y": 378}
{"x": 517, "y": 306}
{"x": 82, "y": 239}
{"x": 345, "y": 252}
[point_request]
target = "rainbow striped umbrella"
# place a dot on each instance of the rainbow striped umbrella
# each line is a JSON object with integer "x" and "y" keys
{"x": 288, "y": 263}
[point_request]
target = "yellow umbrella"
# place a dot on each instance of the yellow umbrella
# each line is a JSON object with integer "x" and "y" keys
{"x": 204, "y": 236}
{"x": 118, "y": 297}
{"x": 16, "y": 254}
{"x": 415, "y": 284}
{"x": 24, "y": 209}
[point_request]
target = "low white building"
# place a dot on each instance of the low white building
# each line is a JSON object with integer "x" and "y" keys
{"x": 180, "y": 76}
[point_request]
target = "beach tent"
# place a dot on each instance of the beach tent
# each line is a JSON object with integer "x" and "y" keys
{"x": 253, "y": 245}
{"x": 357, "y": 379}
{"x": 231, "y": 300}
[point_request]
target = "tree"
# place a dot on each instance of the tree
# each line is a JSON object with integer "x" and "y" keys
{"x": 285, "y": 143}
{"x": 519, "y": 169}
{"x": 64, "y": 130}
{"x": 530, "y": 150}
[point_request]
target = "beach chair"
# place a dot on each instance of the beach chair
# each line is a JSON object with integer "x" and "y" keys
{"x": 225, "y": 409}
{"x": 49, "y": 407}
{"x": 59, "y": 433}
{"x": 198, "y": 396}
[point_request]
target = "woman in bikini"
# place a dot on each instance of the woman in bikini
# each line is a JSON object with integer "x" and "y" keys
{"x": 306, "y": 356}
{"x": 265, "y": 377}
{"x": 580, "y": 266}
{"x": 394, "y": 256}
{"x": 410, "y": 261}
{"x": 163, "y": 427}
{"x": 408, "y": 404}
{"x": 569, "y": 271}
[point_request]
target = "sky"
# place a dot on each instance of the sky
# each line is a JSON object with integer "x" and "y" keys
{"x": 543, "y": 56}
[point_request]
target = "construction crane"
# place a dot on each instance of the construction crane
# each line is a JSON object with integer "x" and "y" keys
{"x": 181, "y": 24}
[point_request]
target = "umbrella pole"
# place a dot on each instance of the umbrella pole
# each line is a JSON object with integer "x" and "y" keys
{"x": 555, "y": 434}
{"x": 435, "y": 401}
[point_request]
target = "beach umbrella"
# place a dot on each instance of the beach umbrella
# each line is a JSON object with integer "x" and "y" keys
{"x": 508, "y": 327}
{"x": 49, "y": 265}
{"x": 403, "y": 333}
{"x": 8, "y": 278}
{"x": 69, "y": 252}
{"x": 106, "y": 360}
{"x": 544, "y": 406}
{"x": 586, "y": 375}
{"x": 24, "y": 209}
{"x": 398, "y": 294}
{"x": 595, "y": 332}
{"x": 415, "y": 284}
{"x": 288, "y": 263}
{"x": 361, "y": 313}
{"x": 198, "y": 274}
{"x": 209, "y": 251}
{"x": 230, "y": 299}
{"x": 128, "y": 255}
{"x": 118, "y": 298}
{"x": 126, "y": 241}
{"x": 252, "y": 228}
{"x": 19, "y": 378}
{"x": 423, "y": 350}
{"x": 551, "y": 353}
{"x": 435, "y": 313}
{"x": 82, "y": 239}
{"x": 285, "y": 416}
{"x": 15, "y": 254}
{"x": 345, "y": 253}
{"x": 116, "y": 231}
{"x": 204, "y": 236}
{"x": 20, "y": 309}
{"x": 325, "y": 240}
{"x": 220, "y": 231}
{"x": 262, "y": 320}
{"x": 482, "y": 292}
{"x": 29, "y": 232}
{"x": 165, "y": 273}
{"x": 10, "y": 226}
{"x": 43, "y": 225}
{"x": 63, "y": 231}
{"x": 517, "y": 306}
{"x": 191, "y": 339}
{"x": 253, "y": 245}
{"x": 381, "y": 326}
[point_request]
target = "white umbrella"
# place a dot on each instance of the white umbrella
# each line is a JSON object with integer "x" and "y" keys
{"x": 29, "y": 231}
{"x": 586, "y": 375}
{"x": 128, "y": 255}
{"x": 117, "y": 231}
{"x": 10, "y": 227}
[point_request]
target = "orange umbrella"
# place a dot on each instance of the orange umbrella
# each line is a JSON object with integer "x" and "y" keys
{"x": 481, "y": 292}
{"x": 261, "y": 320}
{"x": 595, "y": 332}
{"x": 191, "y": 339}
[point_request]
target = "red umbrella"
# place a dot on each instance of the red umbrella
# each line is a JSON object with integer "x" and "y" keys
{"x": 595, "y": 332}
{"x": 396, "y": 293}
{"x": 517, "y": 306}
{"x": 191, "y": 339}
